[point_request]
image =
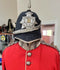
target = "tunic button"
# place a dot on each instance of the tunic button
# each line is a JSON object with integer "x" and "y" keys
{"x": 29, "y": 54}
{"x": 28, "y": 62}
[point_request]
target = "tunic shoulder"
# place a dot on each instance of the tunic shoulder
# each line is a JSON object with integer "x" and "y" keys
{"x": 10, "y": 48}
{"x": 50, "y": 47}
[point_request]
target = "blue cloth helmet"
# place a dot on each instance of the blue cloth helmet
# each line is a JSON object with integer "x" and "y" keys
{"x": 28, "y": 26}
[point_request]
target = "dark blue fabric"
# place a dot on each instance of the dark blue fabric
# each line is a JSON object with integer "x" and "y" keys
{"x": 18, "y": 25}
{"x": 0, "y": 60}
{"x": 29, "y": 35}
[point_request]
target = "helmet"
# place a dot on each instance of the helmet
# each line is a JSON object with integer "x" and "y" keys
{"x": 28, "y": 27}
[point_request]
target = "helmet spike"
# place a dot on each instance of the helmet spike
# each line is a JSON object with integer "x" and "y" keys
{"x": 29, "y": 4}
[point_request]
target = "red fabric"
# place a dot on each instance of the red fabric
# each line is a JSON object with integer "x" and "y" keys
{"x": 43, "y": 58}
{"x": 59, "y": 62}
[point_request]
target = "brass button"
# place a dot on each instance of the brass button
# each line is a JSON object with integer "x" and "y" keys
{"x": 28, "y": 62}
{"x": 29, "y": 54}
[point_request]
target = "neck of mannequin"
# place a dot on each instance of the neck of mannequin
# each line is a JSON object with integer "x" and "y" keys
{"x": 29, "y": 46}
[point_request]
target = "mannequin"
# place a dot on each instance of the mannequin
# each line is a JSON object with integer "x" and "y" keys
{"x": 29, "y": 53}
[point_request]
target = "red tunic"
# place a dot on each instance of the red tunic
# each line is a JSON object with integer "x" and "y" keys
{"x": 59, "y": 62}
{"x": 43, "y": 58}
